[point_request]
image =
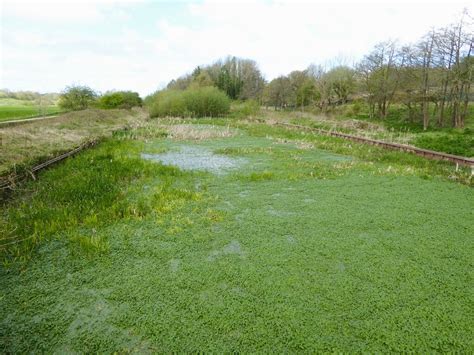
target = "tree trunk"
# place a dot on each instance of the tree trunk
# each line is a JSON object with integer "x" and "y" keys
{"x": 465, "y": 107}
{"x": 441, "y": 106}
{"x": 467, "y": 86}
{"x": 426, "y": 68}
{"x": 426, "y": 115}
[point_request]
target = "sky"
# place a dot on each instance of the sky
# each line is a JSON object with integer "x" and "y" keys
{"x": 141, "y": 45}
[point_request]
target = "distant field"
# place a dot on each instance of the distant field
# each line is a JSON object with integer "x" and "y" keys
{"x": 12, "y": 109}
{"x": 8, "y": 113}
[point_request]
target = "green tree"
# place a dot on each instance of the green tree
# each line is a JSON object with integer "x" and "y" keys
{"x": 303, "y": 89}
{"x": 120, "y": 99}
{"x": 307, "y": 93}
{"x": 228, "y": 80}
{"x": 77, "y": 98}
{"x": 278, "y": 92}
{"x": 201, "y": 79}
{"x": 342, "y": 82}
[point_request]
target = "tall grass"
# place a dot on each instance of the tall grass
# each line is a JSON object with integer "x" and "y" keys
{"x": 73, "y": 200}
{"x": 35, "y": 142}
{"x": 244, "y": 109}
{"x": 195, "y": 102}
{"x": 454, "y": 142}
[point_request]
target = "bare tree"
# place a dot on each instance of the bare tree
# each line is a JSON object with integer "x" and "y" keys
{"x": 425, "y": 48}
{"x": 381, "y": 72}
{"x": 323, "y": 86}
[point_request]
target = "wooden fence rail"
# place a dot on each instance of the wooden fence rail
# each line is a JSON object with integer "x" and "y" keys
{"x": 10, "y": 181}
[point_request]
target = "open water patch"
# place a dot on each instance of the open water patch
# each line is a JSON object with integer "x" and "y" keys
{"x": 196, "y": 158}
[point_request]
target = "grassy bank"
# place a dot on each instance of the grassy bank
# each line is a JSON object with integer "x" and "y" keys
{"x": 23, "y": 145}
{"x": 452, "y": 141}
{"x": 289, "y": 243}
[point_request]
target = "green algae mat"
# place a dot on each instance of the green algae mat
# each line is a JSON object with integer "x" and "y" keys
{"x": 236, "y": 242}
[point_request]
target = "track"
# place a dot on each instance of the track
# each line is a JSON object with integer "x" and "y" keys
{"x": 25, "y": 120}
{"x": 430, "y": 154}
{"x": 10, "y": 181}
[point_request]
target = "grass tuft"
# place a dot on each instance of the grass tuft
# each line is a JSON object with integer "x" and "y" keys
{"x": 93, "y": 244}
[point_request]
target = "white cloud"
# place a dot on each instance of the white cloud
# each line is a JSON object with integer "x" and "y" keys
{"x": 280, "y": 36}
{"x": 66, "y": 11}
{"x": 286, "y": 35}
{"x": 57, "y": 12}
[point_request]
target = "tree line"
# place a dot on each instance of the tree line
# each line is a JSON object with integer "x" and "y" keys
{"x": 30, "y": 97}
{"x": 430, "y": 79}
{"x": 239, "y": 78}
{"x": 78, "y": 97}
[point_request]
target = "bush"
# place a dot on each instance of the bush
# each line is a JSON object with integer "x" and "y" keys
{"x": 245, "y": 109}
{"x": 206, "y": 102}
{"x": 168, "y": 103}
{"x": 120, "y": 99}
{"x": 357, "y": 107}
{"x": 193, "y": 102}
{"x": 77, "y": 98}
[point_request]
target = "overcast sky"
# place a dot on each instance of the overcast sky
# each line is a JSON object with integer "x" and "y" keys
{"x": 141, "y": 45}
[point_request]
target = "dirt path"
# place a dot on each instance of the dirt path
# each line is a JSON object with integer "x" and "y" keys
{"x": 25, "y": 120}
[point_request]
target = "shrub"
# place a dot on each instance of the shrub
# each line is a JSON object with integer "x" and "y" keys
{"x": 357, "y": 107}
{"x": 77, "y": 98}
{"x": 206, "y": 102}
{"x": 168, "y": 103}
{"x": 120, "y": 99}
{"x": 192, "y": 102}
{"x": 244, "y": 109}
